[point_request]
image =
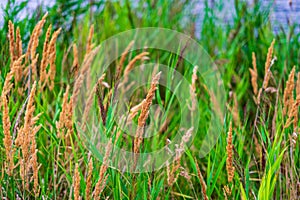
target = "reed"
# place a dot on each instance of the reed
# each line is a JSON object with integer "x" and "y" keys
{"x": 44, "y": 62}
{"x": 122, "y": 60}
{"x": 18, "y": 68}
{"x": 46, "y": 145}
{"x": 18, "y": 47}
{"x": 254, "y": 75}
{"x": 130, "y": 65}
{"x": 135, "y": 110}
{"x": 269, "y": 62}
{"x": 7, "y": 84}
{"x": 294, "y": 139}
{"x": 229, "y": 160}
{"x": 89, "y": 101}
{"x": 89, "y": 181}
{"x": 75, "y": 65}
{"x": 102, "y": 178}
{"x": 101, "y": 106}
{"x": 268, "y": 65}
{"x": 52, "y": 58}
{"x": 88, "y": 59}
{"x": 172, "y": 174}
{"x": 292, "y": 116}
{"x": 35, "y": 170}
{"x": 35, "y": 36}
{"x": 288, "y": 92}
{"x": 291, "y": 106}
{"x": 193, "y": 89}
{"x": 25, "y": 137}
{"x": 63, "y": 116}
{"x": 33, "y": 67}
{"x": 194, "y": 79}
{"x": 227, "y": 191}
{"x": 89, "y": 41}
{"x": 298, "y": 86}
{"x": 7, "y": 140}
{"x": 143, "y": 117}
{"x": 76, "y": 183}
{"x": 11, "y": 37}
{"x": 202, "y": 182}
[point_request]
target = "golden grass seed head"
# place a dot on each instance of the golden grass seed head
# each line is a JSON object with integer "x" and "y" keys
{"x": 89, "y": 181}
{"x": 11, "y": 38}
{"x": 229, "y": 161}
{"x": 254, "y": 74}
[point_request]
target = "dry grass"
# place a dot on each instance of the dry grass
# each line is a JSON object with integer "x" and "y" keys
{"x": 75, "y": 65}
{"x": 35, "y": 169}
{"x": 52, "y": 57}
{"x": 46, "y": 51}
{"x": 88, "y": 188}
{"x": 193, "y": 89}
{"x": 288, "y": 92}
{"x": 202, "y": 182}
{"x": 76, "y": 183}
{"x": 68, "y": 148}
{"x": 89, "y": 42}
{"x": 254, "y": 75}
{"x": 102, "y": 177}
{"x": 143, "y": 117}
{"x": 268, "y": 65}
{"x": 65, "y": 116}
{"x": 172, "y": 169}
{"x": 229, "y": 161}
{"x": 122, "y": 60}
{"x": 18, "y": 46}
{"x": 89, "y": 101}
{"x": 7, "y": 140}
{"x": 291, "y": 105}
{"x": 26, "y": 137}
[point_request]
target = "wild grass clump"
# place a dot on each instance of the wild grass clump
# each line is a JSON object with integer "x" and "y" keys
{"x": 46, "y": 63}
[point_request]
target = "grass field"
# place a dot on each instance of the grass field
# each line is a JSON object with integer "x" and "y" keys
{"x": 50, "y": 75}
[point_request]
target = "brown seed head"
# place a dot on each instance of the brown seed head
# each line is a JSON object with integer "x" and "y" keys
{"x": 44, "y": 61}
{"x": 76, "y": 183}
{"x": 144, "y": 114}
{"x": 7, "y": 140}
{"x": 63, "y": 114}
{"x": 18, "y": 44}
{"x": 102, "y": 178}
{"x": 89, "y": 181}
{"x": 35, "y": 36}
{"x": 11, "y": 37}
{"x": 298, "y": 89}
{"x": 229, "y": 161}
{"x": 75, "y": 65}
{"x": 268, "y": 65}
{"x": 202, "y": 182}
{"x": 133, "y": 61}
{"x": 254, "y": 75}
{"x": 288, "y": 92}
{"x": 52, "y": 58}
{"x": 35, "y": 170}
{"x": 89, "y": 101}
{"x": 122, "y": 60}
{"x": 89, "y": 42}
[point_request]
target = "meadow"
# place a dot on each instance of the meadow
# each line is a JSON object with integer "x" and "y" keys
{"x": 49, "y": 73}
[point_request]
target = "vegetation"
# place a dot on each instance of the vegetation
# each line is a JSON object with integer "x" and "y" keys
{"x": 46, "y": 57}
